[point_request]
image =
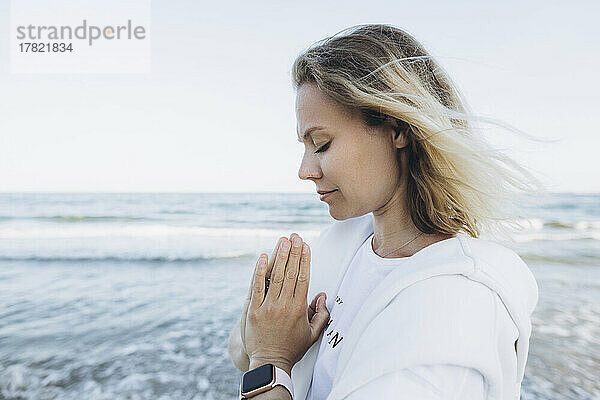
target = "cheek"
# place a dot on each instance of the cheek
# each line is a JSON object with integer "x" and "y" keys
{"x": 339, "y": 165}
{"x": 348, "y": 167}
{"x": 361, "y": 167}
{"x": 376, "y": 168}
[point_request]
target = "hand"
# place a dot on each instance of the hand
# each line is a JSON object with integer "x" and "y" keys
{"x": 278, "y": 328}
{"x": 311, "y": 310}
{"x": 268, "y": 275}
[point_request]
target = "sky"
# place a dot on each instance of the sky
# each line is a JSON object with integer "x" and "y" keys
{"x": 216, "y": 111}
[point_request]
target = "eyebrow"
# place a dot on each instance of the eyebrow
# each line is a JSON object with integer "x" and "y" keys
{"x": 309, "y": 131}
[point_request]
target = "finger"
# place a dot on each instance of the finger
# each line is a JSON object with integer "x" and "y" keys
{"x": 246, "y": 306}
{"x": 248, "y": 297}
{"x": 250, "y": 287}
{"x": 258, "y": 289}
{"x": 291, "y": 270}
{"x": 272, "y": 259}
{"x": 319, "y": 321}
{"x": 303, "y": 274}
{"x": 245, "y": 312}
{"x": 312, "y": 308}
{"x": 278, "y": 272}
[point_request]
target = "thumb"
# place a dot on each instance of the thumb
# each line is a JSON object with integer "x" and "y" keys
{"x": 320, "y": 319}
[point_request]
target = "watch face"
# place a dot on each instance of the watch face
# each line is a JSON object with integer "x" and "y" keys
{"x": 257, "y": 378}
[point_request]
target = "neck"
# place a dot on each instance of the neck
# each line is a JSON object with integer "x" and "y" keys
{"x": 393, "y": 227}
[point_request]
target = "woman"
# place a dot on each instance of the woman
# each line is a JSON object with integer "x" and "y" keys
{"x": 417, "y": 306}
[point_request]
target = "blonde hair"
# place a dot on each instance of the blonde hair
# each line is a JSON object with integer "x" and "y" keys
{"x": 456, "y": 181}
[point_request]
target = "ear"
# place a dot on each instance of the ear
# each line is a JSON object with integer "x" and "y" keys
{"x": 401, "y": 132}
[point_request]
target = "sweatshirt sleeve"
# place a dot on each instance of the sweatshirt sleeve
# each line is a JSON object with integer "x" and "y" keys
{"x": 426, "y": 382}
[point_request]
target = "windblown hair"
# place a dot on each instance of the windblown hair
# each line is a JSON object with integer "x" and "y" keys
{"x": 456, "y": 181}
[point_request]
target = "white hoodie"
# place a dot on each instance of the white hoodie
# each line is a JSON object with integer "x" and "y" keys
{"x": 388, "y": 334}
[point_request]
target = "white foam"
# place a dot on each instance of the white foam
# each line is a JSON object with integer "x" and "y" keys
{"x": 559, "y": 236}
{"x": 584, "y": 225}
{"x": 145, "y": 230}
{"x": 532, "y": 223}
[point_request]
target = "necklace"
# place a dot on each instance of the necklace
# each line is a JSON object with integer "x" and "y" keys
{"x": 387, "y": 254}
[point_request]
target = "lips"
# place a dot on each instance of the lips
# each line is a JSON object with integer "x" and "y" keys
{"x": 325, "y": 191}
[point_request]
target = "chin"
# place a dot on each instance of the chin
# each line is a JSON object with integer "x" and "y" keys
{"x": 342, "y": 217}
{"x": 336, "y": 216}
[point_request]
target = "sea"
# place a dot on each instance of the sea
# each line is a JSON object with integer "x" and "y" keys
{"x": 132, "y": 296}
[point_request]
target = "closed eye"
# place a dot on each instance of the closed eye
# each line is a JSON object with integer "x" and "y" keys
{"x": 323, "y": 148}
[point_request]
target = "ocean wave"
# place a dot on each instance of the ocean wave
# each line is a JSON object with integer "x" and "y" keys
{"x": 578, "y": 225}
{"x": 145, "y": 230}
{"x": 124, "y": 258}
{"x": 535, "y": 224}
{"x": 538, "y": 224}
{"x": 562, "y": 236}
{"x": 78, "y": 218}
{"x": 589, "y": 259}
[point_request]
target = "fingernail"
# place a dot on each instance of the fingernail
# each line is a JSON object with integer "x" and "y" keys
{"x": 297, "y": 241}
{"x": 286, "y": 245}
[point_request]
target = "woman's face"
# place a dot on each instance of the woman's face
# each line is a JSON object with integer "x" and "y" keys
{"x": 344, "y": 154}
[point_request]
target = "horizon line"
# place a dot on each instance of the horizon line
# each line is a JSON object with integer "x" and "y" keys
{"x": 209, "y": 192}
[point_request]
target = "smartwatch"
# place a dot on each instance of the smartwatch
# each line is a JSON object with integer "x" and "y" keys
{"x": 263, "y": 378}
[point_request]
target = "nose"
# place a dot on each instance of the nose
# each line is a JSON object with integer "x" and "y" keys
{"x": 309, "y": 167}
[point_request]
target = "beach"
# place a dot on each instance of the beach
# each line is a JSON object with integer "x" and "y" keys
{"x": 133, "y": 296}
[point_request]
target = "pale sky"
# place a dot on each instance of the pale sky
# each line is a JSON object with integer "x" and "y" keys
{"x": 216, "y": 113}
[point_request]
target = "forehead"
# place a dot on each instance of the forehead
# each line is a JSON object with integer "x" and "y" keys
{"x": 315, "y": 111}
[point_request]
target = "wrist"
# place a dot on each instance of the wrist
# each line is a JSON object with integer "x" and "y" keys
{"x": 258, "y": 361}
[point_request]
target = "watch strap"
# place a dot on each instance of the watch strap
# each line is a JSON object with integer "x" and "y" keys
{"x": 283, "y": 379}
